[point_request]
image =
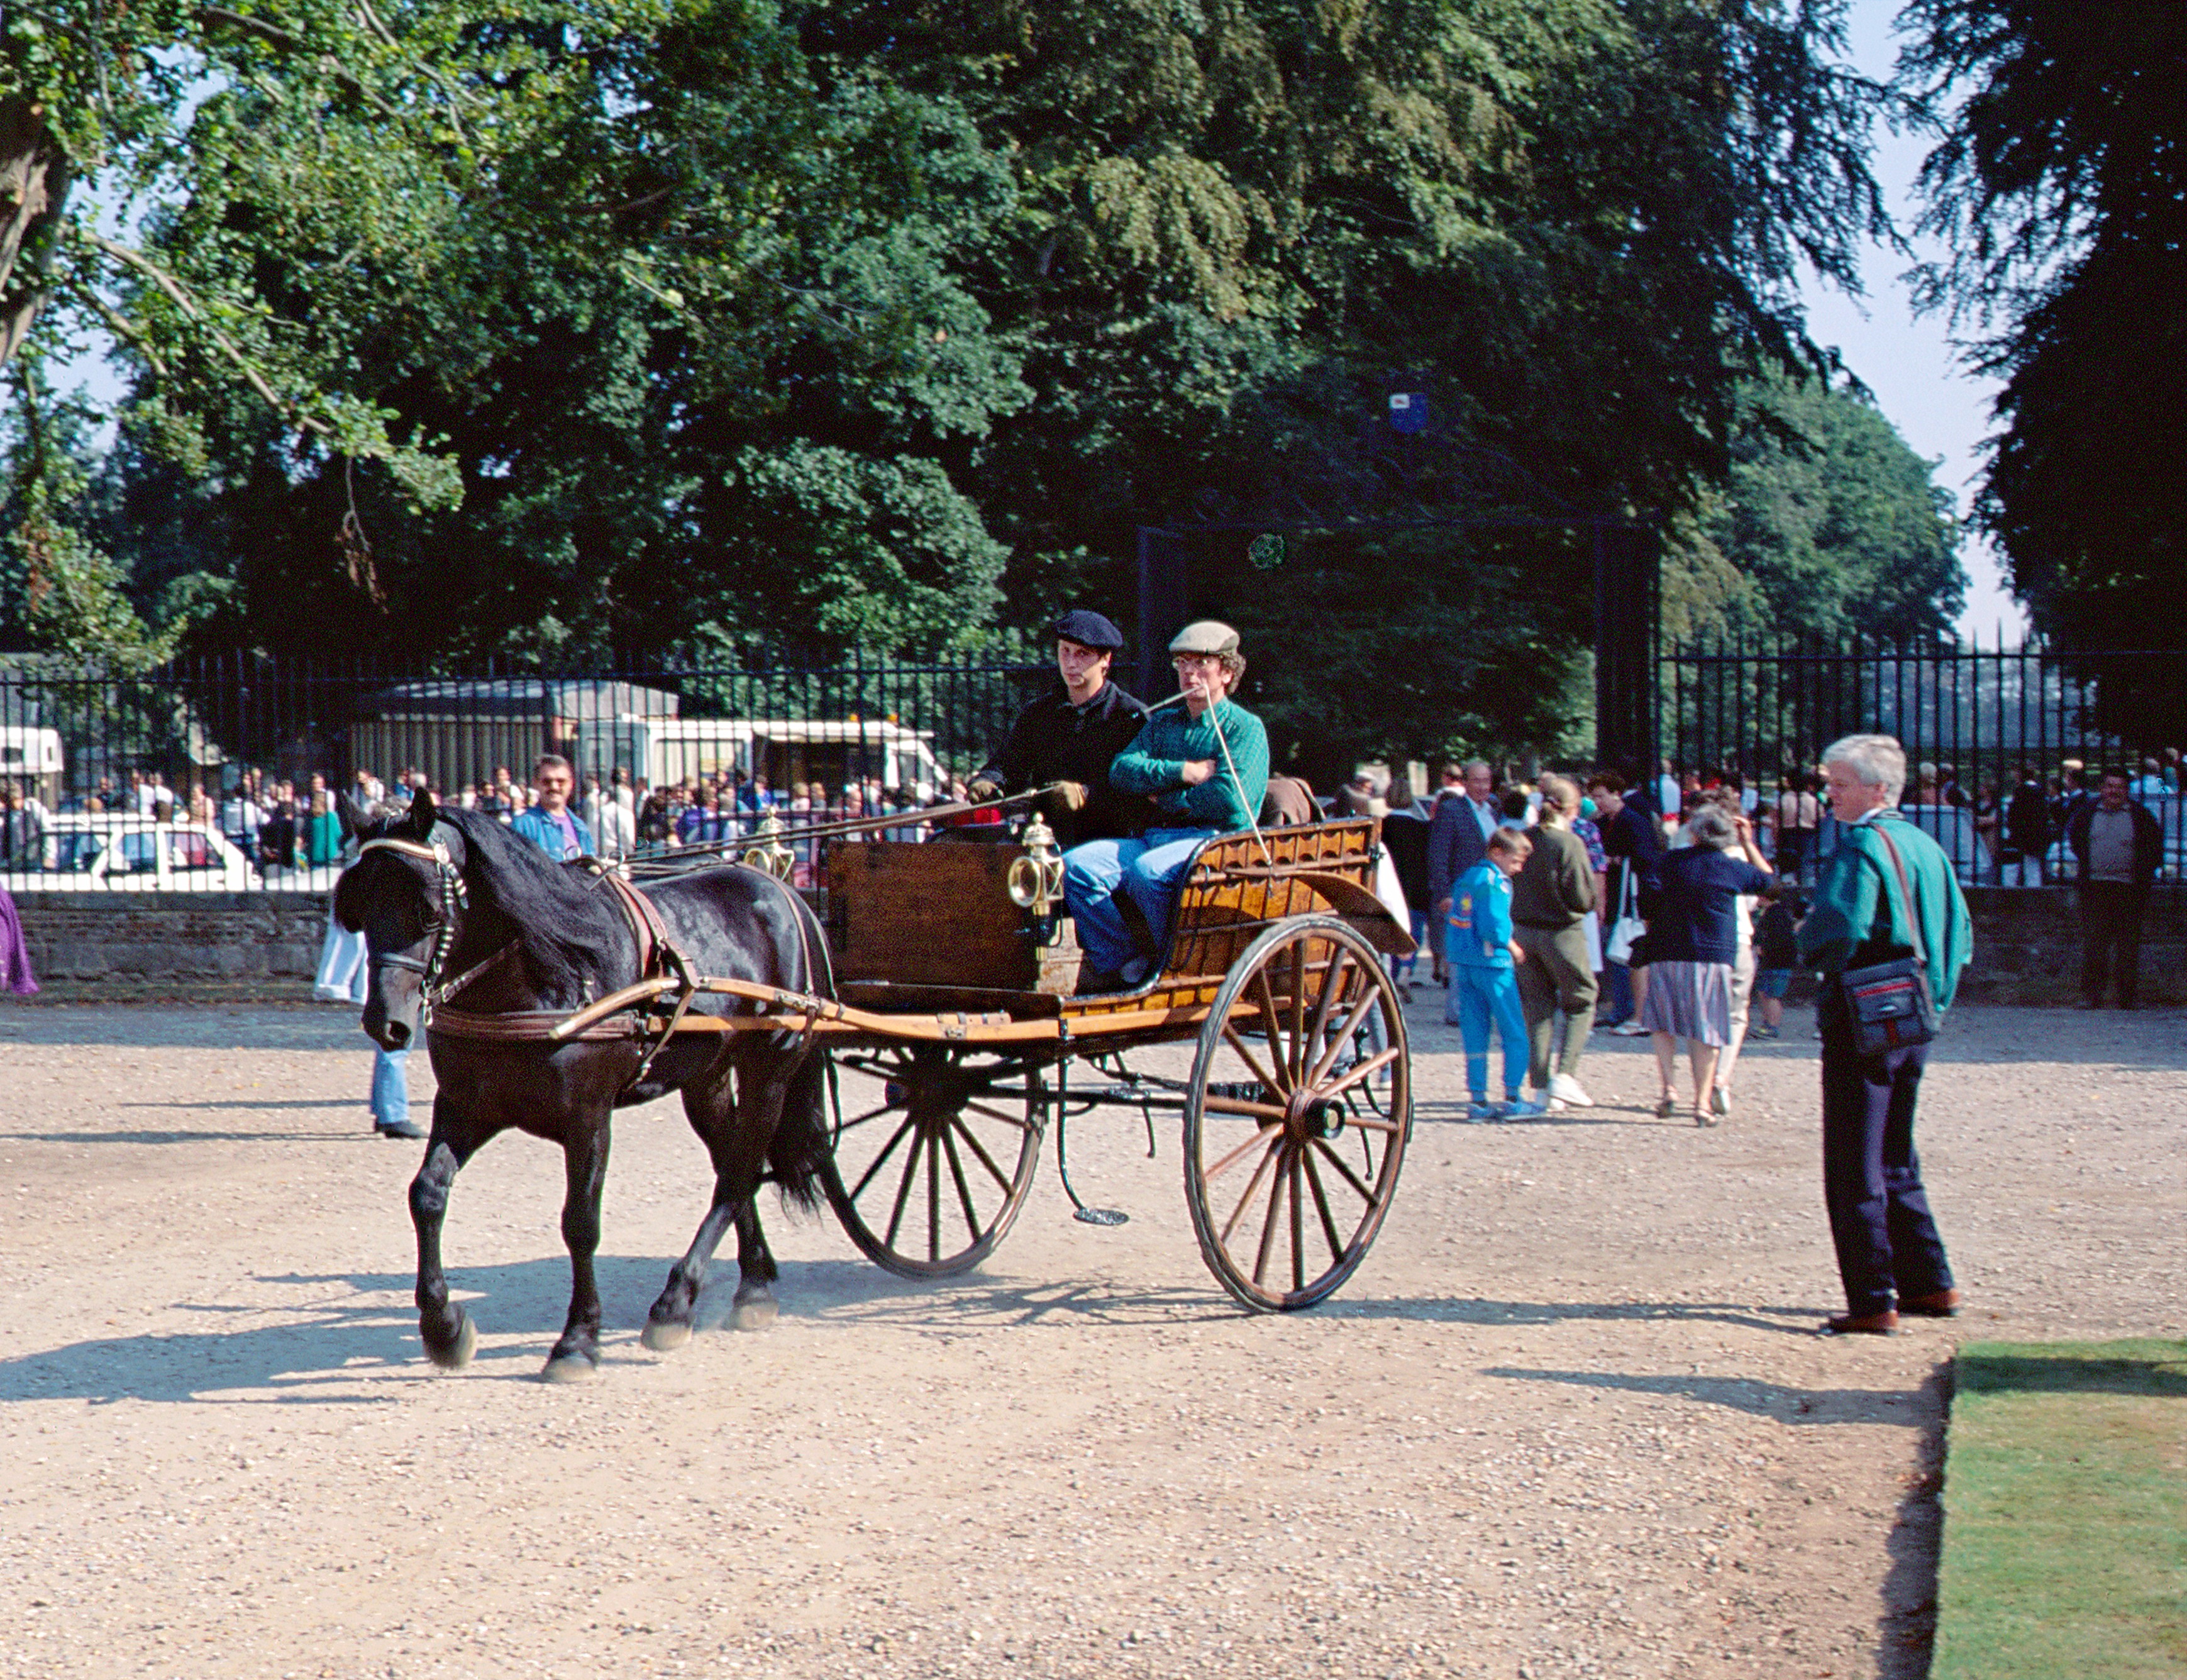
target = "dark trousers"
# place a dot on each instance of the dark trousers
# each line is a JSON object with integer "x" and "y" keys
{"x": 2110, "y": 938}
{"x": 1887, "y": 1239}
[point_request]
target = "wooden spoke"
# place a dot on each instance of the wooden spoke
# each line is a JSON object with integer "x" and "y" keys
{"x": 1252, "y": 1189}
{"x": 1321, "y": 1206}
{"x": 1298, "y": 1226}
{"x": 870, "y": 1113}
{"x": 1274, "y": 1028}
{"x": 903, "y": 1190}
{"x": 1350, "y": 1177}
{"x": 1243, "y": 1149}
{"x": 881, "y": 1158}
{"x": 1252, "y": 1063}
{"x": 1366, "y": 1070}
{"x": 1336, "y": 1046}
{"x": 1297, "y": 1054}
{"x": 994, "y": 1113}
{"x": 1339, "y": 965}
{"x": 1238, "y": 1105}
{"x": 979, "y": 1150}
{"x": 957, "y": 1174}
{"x": 933, "y": 1200}
{"x": 1275, "y": 1213}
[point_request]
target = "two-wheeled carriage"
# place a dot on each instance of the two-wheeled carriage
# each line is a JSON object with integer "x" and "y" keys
{"x": 956, "y": 977}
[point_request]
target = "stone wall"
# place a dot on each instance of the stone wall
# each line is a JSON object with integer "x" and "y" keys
{"x": 265, "y": 945}
{"x": 139, "y": 945}
{"x": 2027, "y": 946}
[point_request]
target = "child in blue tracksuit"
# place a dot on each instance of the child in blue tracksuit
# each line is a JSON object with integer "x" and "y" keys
{"x": 1478, "y": 944}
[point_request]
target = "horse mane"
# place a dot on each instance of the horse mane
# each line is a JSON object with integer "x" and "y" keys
{"x": 563, "y": 930}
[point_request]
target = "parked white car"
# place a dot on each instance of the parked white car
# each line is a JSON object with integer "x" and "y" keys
{"x": 114, "y": 853}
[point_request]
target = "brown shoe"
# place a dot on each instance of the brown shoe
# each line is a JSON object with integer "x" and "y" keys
{"x": 1862, "y": 1324}
{"x": 1944, "y": 1304}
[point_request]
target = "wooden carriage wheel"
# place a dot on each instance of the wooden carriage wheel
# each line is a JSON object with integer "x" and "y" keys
{"x": 1289, "y": 1168}
{"x": 929, "y": 1181}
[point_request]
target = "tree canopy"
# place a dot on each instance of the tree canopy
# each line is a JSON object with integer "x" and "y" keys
{"x": 2060, "y": 188}
{"x": 599, "y": 325}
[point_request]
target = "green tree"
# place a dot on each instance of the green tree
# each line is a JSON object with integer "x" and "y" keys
{"x": 1827, "y": 527}
{"x": 2060, "y": 188}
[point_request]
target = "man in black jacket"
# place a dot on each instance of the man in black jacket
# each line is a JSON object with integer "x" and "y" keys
{"x": 2118, "y": 845}
{"x": 1458, "y": 838}
{"x": 1072, "y": 735}
{"x": 2027, "y": 836}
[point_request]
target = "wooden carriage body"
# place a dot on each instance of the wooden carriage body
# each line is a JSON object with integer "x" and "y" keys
{"x": 925, "y": 929}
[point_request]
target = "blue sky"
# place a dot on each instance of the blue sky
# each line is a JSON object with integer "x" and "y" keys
{"x": 1941, "y": 410}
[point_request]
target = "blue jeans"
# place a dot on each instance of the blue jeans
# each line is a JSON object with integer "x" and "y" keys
{"x": 341, "y": 964}
{"x": 390, "y": 1086}
{"x": 1478, "y": 996}
{"x": 1147, "y": 867}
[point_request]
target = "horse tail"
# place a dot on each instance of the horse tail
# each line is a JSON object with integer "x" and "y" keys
{"x": 800, "y": 1147}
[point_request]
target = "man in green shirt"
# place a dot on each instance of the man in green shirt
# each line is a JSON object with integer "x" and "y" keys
{"x": 1204, "y": 759}
{"x": 1890, "y": 1257}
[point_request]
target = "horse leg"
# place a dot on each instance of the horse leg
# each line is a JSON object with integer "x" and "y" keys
{"x": 755, "y": 1308}
{"x": 713, "y": 1112}
{"x": 446, "y": 1329}
{"x": 576, "y": 1355}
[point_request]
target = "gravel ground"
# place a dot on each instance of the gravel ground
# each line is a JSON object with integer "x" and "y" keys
{"x": 1568, "y": 1419}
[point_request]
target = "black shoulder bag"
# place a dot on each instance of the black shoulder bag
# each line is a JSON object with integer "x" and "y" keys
{"x": 1889, "y": 1002}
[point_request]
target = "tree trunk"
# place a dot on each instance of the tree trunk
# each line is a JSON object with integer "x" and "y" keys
{"x": 34, "y": 184}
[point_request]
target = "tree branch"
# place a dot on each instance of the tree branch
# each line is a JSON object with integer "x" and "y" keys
{"x": 189, "y": 305}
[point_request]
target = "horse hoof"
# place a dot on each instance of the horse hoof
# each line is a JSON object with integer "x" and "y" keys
{"x": 753, "y": 1315}
{"x": 457, "y": 1353}
{"x": 665, "y": 1335}
{"x": 569, "y": 1368}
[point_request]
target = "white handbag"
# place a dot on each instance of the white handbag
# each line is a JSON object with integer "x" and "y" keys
{"x": 1628, "y": 927}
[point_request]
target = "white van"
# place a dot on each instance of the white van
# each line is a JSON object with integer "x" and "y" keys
{"x": 132, "y": 854}
{"x": 30, "y": 760}
{"x": 784, "y": 750}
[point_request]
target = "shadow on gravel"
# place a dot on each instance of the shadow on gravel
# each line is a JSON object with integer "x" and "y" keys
{"x": 316, "y": 1351}
{"x": 1786, "y": 1404}
{"x": 306, "y": 1026}
{"x": 357, "y": 1135}
{"x": 1906, "y": 1629}
{"x": 1788, "y": 1321}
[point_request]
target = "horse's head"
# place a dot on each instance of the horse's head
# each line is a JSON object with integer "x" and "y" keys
{"x": 404, "y": 895}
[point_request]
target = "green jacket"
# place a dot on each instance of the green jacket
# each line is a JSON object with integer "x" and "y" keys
{"x": 1859, "y": 917}
{"x": 1169, "y": 739}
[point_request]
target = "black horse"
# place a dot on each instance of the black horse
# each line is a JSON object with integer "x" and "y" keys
{"x": 451, "y": 899}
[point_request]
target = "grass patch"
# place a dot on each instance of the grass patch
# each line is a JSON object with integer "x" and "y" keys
{"x": 2066, "y": 1514}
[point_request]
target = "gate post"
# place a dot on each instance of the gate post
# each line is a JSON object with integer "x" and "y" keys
{"x": 1165, "y": 598}
{"x": 1627, "y": 579}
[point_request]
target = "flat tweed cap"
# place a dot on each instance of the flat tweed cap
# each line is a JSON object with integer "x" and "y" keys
{"x": 1089, "y": 630}
{"x": 1205, "y": 636}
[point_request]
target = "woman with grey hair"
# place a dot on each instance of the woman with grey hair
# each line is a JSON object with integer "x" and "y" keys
{"x": 1888, "y": 891}
{"x": 1692, "y": 941}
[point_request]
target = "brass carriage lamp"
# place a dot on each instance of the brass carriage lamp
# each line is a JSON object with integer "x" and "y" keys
{"x": 767, "y": 854}
{"x": 1035, "y": 879}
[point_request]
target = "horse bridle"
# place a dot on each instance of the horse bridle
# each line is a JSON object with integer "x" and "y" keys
{"x": 454, "y": 897}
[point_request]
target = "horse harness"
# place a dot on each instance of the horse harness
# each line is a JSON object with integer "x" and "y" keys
{"x": 658, "y": 958}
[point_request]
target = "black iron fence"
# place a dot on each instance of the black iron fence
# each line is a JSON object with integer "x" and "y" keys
{"x": 221, "y": 773}
{"x": 1981, "y": 727}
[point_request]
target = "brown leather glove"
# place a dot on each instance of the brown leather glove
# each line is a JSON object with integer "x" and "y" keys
{"x": 1065, "y": 797}
{"x": 980, "y": 789}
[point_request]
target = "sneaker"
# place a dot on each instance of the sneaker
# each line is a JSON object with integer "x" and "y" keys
{"x": 398, "y": 1128}
{"x": 1479, "y": 1111}
{"x": 1523, "y": 1110}
{"x": 1629, "y": 1030}
{"x": 1564, "y": 1089}
{"x": 1762, "y": 1029}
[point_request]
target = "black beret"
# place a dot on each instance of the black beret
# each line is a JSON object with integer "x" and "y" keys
{"x": 1088, "y": 630}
